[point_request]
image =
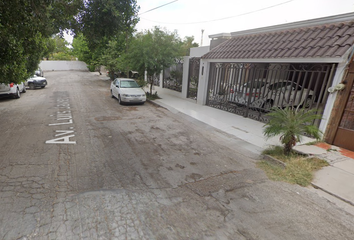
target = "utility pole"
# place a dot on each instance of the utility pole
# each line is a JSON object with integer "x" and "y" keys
{"x": 201, "y": 40}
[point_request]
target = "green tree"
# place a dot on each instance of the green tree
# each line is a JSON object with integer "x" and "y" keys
{"x": 152, "y": 51}
{"x": 24, "y": 27}
{"x": 80, "y": 48}
{"x": 113, "y": 58}
{"x": 61, "y": 45}
{"x": 104, "y": 21}
{"x": 187, "y": 44}
{"x": 56, "y": 48}
{"x": 291, "y": 123}
{"x": 49, "y": 47}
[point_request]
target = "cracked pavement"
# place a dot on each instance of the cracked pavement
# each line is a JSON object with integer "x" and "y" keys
{"x": 139, "y": 172}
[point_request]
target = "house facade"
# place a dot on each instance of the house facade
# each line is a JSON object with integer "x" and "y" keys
{"x": 307, "y": 64}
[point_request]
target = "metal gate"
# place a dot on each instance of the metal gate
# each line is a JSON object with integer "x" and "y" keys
{"x": 172, "y": 77}
{"x": 252, "y": 89}
{"x": 193, "y": 77}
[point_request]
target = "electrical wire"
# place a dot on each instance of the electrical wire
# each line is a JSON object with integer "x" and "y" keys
{"x": 220, "y": 19}
{"x": 158, "y": 7}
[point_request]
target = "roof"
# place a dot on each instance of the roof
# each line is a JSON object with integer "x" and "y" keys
{"x": 325, "y": 40}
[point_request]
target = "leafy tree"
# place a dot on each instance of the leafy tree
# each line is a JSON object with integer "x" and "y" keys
{"x": 56, "y": 48}
{"x": 291, "y": 123}
{"x": 104, "y": 21}
{"x": 80, "y": 48}
{"x": 27, "y": 25}
{"x": 24, "y": 27}
{"x": 152, "y": 51}
{"x": 62, "y": 56}
{"x": 49, "y": 47}
{"x": 113, "y": 58}
{"x": 60, "y": 44}
{"x": 187, "y": 44}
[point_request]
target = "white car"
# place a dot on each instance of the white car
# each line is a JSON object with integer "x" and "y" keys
{"x": 12, "y": 89}
{"x": 127, "y": 90}
{"x": 285, "y": 93}
{"x": 241, "y": 94}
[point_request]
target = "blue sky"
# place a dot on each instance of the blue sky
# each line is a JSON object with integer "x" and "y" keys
{"x": 189, "y": 17}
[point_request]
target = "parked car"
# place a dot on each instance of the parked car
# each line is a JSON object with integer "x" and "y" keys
{"x": 39, "y": 72}
{"x": 36, "y": 81}
{"x": 252, "y": 89}
{"x": 285, "y": 93}
{"x": 127, "y": 90}
{"x": 12, "y": 90}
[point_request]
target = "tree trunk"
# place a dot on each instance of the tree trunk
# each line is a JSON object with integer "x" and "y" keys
{"x": 287, "y": 148}
{"x": 151, "y": 84}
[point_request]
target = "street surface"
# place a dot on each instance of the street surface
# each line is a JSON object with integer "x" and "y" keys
{"x": 74, "y": 164}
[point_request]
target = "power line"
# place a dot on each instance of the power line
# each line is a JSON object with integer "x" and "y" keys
{"x": 157, "y": 7}
{"x": 220, "y": 19}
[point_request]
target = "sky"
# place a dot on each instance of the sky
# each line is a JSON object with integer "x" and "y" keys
{"x": 190, "y": 17}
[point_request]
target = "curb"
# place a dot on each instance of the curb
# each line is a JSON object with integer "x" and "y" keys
{"x": 274, "y": 161}
{"x": 332, "y": 194}
{"x": 154, "y": 103}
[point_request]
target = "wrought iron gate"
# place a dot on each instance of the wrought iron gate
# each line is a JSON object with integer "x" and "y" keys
{"x": 251, "y": 89}
{"x": 172, "y": 77}
{"x": 193, "y": 77}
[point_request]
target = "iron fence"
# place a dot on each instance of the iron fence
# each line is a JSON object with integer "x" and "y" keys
{"x": 172, "y": 77}
{"x": 193, "y": 77}
{"x": 252, "y": 89}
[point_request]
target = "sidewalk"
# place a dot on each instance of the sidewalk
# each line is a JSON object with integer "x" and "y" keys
{"x": 336, "y": 179}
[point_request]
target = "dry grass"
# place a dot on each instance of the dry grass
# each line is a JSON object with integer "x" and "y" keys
{"x": 299, "y": 169}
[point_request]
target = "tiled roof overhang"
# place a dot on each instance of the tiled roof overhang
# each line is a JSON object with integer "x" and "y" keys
{"x": 325, "y": 42}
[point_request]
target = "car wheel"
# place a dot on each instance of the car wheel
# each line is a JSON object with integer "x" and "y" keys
{"x": 112, "y": 94}
{"x": 307, "y": 103}
{"x": 31, "y": 86}
{"x": 120, "y": 100}
{"x": 267, "y": 105}
{"x": 42, "y": 86}
{"x": 24, "y": 89}
{"x": 18, "y": 94}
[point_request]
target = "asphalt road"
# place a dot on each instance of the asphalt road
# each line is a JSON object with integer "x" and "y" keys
{"x": 74, "y": 164}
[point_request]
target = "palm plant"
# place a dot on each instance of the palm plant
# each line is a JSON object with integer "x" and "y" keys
{"x": 291, "y": 123}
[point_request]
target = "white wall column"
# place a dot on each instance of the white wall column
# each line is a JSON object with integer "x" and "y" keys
{"x": 161, "y": 79}
{"x": 203, "y": 82}
{"x": 185, "y": 76}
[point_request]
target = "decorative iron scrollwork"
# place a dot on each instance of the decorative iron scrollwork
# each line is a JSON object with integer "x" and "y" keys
{"x": 251, "y": 89}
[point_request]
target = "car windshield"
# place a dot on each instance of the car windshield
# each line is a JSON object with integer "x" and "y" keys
{"x": 278, "y": 85}
{"x": 129, "y": 84}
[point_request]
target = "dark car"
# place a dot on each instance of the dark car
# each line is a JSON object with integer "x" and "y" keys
{"x": 36, "y": 81}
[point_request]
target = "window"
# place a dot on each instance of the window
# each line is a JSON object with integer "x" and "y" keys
{"x": 129, "y": 84}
